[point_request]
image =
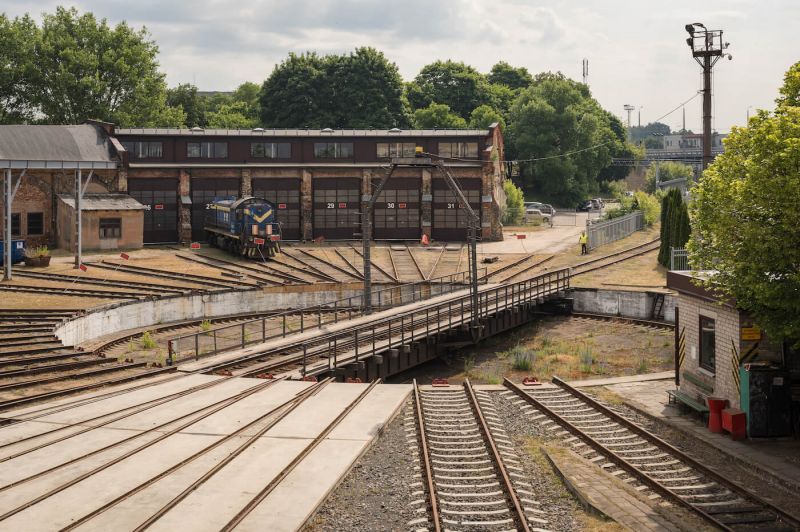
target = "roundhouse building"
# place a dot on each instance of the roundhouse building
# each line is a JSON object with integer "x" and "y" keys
{"x": 316, "y": 178}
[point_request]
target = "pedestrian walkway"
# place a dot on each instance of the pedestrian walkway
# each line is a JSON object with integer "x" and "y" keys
{"x": 778, "y": 457}
{"x": 601, "y": 493}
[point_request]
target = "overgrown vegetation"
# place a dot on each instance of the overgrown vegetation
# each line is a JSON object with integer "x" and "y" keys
{"x": 667, "y": 171}
{"x": 147, "y": 341}
{"x": 639, "y": 201}
{"x": 37, "y": 251}
{"x": 205, "y": 325}
{"x": 515, "y": 203}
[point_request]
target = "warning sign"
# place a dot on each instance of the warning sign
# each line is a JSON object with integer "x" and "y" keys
{"x": 159, "y": 206}
{"x": 402, "y": 205}
{"x": 281, "y": 205}
{"x": 343, "y": 205}
{"x": 751, "y": 333}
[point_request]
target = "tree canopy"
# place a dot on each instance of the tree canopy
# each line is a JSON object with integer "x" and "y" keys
{"x": 512, "y": 77}
{"x": 557, "y": 122}
{"x": 455, "y": 84}
{"x": 358, "y": 90}
{"x": 437, "y": 115}
{"x": 745, "y": 216}
{"x": 667, "y": 171}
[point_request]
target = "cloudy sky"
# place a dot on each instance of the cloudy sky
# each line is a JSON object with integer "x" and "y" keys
{"x": 636, "y": 49}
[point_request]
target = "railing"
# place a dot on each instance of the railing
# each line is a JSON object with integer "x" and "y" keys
{"x": 678, "y": 259}
{"x": 608, "y": 231}
{"x": 268, "y": 327}
{"x": 402, "y": 328}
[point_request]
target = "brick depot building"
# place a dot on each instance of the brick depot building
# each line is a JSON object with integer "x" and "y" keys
{"x": 316, "y": 178}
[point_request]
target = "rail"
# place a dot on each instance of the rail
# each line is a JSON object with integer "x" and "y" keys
{"x": 269, "y": 327}
{"x": 607, "y": 231}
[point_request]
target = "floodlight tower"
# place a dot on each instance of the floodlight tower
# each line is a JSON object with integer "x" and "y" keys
{"x": 628, "y": 107}
{"x": 707, "y": 48}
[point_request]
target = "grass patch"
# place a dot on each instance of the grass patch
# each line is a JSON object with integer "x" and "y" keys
{"x": 147, "y": 341}
{"x": 643, "y": 366}
{"x": 205, "y": 325}
{"x": 522, "y": 358}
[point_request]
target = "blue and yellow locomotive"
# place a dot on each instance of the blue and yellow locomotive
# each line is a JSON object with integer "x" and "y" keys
{"x": 244, "y": 226}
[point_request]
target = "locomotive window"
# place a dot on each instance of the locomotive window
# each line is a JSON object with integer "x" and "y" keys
{"x": 271, "y": 150}
{"x": 110, "y": 227}
{"x": 468, "y": 150}
{"x": 333, "y": 150}
{"x": 207, "y": 150}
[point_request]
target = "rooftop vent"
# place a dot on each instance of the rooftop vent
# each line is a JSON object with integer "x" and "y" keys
{"x": 395, "y": 130}
{"x": 327, "y": 130}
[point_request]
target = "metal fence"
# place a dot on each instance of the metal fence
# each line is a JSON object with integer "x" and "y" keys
{"x": 607, "y": 231}
{"x": 218, "y": 339}
{"x": 678, "y": 259}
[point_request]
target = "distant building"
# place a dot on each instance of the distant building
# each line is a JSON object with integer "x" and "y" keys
{"x": 690, "y": 143}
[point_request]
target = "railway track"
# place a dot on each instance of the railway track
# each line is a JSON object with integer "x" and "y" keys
{"x": 619, "y": 319}
{"x": 615, "y": 258}
{"x": 405, "y": 264}
{"x": 469, "y": 463}
{"x": 627, "y": 450}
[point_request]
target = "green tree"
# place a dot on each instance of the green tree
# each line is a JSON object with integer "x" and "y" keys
{"x": 667, "y": 171}
{"x": 17, "y": 39}
{"x": 455, "y": 84}
{"x": 514, "y": 78}
{"x": 745, "y": 212}
{"x": 653, "y": 132}
{"x": 558, "y": 123}
{"x": 484, "y": 116}
{"x": 359, "y": 90}
{"x": 87, "y": 69}
{"x": 231, "y": 116}
{"x": 247, "y": 93}
{"x": 515, "y": 203}
{"x": 674, "y": 224}
{"x": 186, "y": 97}
{"x": 437, "y": 115}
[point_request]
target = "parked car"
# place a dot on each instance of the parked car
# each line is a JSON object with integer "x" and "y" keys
{"x": 533, "y": 215}
{"x": 585, "y": 206}
{"x": 599, "y": 201}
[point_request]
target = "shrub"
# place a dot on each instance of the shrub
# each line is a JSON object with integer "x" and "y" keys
{"x": 648, "y": 204}
{"x": 205, "y": 325}
{"x": 515, "y": 203}
{"x": 523, "y": 358}
{"x": 147, "y": 341}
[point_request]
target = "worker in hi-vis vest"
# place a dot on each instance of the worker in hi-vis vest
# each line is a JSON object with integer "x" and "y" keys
{"x": 583, "y": 239}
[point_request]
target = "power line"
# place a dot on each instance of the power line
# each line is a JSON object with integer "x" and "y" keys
{"x": 696, "y": 94}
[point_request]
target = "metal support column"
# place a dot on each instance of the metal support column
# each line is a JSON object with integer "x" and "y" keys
{"x": 7, "y": 226}
{"x": 368, "y": 204}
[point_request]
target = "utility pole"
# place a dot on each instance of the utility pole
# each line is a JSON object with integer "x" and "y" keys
{"x": 640, "y": 115}
{"x": 707, "y": 48}
{"x": 585, "y": 65}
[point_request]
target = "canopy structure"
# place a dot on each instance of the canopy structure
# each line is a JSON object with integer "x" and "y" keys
{"x": 28, "y": 147}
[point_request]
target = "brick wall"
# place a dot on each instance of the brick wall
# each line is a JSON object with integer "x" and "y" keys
{"x": 726, "y": 318}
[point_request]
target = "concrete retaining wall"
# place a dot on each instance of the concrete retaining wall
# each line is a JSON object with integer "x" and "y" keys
{"x": 121, "y": 317}
{"x": 624, "y": 303}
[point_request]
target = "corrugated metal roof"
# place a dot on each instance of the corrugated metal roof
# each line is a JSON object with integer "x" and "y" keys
{"x": 303, "y": 132}
{"x": 81, "y": 143}
{"x": 104, "y": 202}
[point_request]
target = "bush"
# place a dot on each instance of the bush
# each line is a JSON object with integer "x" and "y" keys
{"x": 515, "y": 203}
{"x": 523, "y": 358}
{"x": 648, "y": 204}
{"x": 147, "y": 341}
{"x": 205, "y": 325}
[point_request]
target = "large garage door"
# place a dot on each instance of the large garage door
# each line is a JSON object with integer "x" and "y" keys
{"x": 204, "y": 190}
{"x": 449, "y": 215}
{"x": 160, "y": 198}
{"x": 396, "y": 213}
{"x": 285, "y": 194}
{"x": 336, "y": 208}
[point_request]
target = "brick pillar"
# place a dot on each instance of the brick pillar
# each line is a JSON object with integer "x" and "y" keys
{"x": 426, "y": 210}
{"x": 306, "y": 205}
{"x": 184, "y": 211}
{"x": 246, "y": 183}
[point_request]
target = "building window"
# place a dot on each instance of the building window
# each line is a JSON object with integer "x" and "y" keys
{"x": 271, "y": 150}
{"x": 35, "y": 223}
{"x": 207, "y": 150}
{"x": 468, "y": 150}
{"x": 15, "y": 228}
{"x": 333, "y": 150}
{"x": 144, "y": 150}
{"x": 110, "y": 227}
{"x": 387, "y": 150}
{"x": 707, "y": 344}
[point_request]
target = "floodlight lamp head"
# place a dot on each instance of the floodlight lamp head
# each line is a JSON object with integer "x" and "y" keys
{"x": 689, "y": 28}
{"x": 689, "y": 42}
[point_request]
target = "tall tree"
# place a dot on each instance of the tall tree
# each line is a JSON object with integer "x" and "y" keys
{"x": 87, "y": 69}
{"x": 235, "y": 115}
{"x": 484, "y": 116}
{"x": 674, "y": 224}
{"x": 247, "y": 93}
{"x": 514, "y": 78}
{"x": 744, "y": 216}
{"x": 437, "y": 115}
{"x": 359, "y": 90}
{"x": 558, "y": 123}
{"x": 185, "y": 96}
{"x": 455, "y": 84}
{"x": 17, "y": 38}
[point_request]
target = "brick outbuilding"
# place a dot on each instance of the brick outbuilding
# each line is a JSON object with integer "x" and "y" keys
{"x": 110, "y": 221}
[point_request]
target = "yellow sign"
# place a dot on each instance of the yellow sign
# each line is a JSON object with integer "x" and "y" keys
{"x": 751, "y": 333}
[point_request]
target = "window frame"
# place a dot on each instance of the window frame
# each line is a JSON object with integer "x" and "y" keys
{"x": 207, "y": 149}
{"x": 28, "y": 231}
{"x": 279, "y": 150}
{"x": 18, "y": 224}
{"x": 707, "y": 360}
{"x": 395, "y": 149}
{"x": 333, "y": 150}
{"x": 144, "y": 149}
{"x": 115, "y": 224}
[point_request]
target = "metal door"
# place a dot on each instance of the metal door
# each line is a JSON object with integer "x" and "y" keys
{"x": 449, "y": 215}
{"x": 396, "y": 215}
{"x": 204, "y": 190}
{"x": 285, "y": 194}
{"x": 337, "y": 203}
{"x": 160, "y": 199}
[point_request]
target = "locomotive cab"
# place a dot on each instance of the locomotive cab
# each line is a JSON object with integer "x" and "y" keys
{"x": 245, "y": 226}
